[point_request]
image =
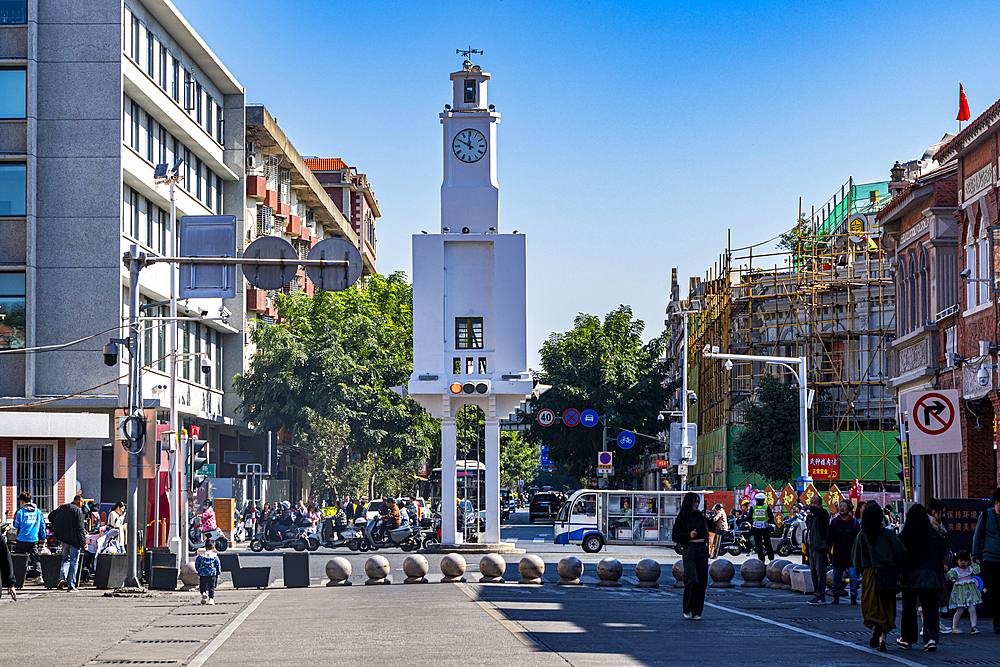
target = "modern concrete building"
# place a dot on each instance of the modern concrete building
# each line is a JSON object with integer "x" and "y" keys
{"x": 95, "y": 94}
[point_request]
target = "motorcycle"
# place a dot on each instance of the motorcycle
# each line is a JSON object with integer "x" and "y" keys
{"x": 377, "y": 537}
{"x": 788, "y": 544}
{"x": 298, "y": 537}
{"x": 430, "y": 530}
{"x": 197, "y": 536}
{"x": 347, "y": 536}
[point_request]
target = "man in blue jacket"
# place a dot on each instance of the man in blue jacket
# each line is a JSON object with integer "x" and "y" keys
{"x": 30, "y": 524}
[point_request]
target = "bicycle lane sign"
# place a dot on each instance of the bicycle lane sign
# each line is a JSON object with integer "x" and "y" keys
{"x": 933, "y": 422}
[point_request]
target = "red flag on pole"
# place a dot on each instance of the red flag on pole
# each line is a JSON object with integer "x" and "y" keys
{"x": 963, "y": 104}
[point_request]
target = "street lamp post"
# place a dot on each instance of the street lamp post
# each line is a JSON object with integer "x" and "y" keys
{"x": 684, "y": 390}
{"x": 799, "y": 371}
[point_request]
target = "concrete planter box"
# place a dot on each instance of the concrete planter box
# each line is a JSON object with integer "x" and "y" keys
{"x": 51, "y": 564}
{"x": 163, "y": 578}
{"x": 802, "y": 580}
{"x": 110, "y": 571}
{"x": 255, "y": 577}
{"x": 296, "y": 568}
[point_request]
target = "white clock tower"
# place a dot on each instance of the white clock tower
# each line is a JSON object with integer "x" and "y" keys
{"x": 469, "y": 312}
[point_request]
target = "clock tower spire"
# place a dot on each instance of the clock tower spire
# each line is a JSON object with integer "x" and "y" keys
{"x": 469, "y": 192}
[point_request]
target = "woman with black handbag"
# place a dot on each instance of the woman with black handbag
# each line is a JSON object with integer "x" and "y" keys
{"x": 879, "y": 556}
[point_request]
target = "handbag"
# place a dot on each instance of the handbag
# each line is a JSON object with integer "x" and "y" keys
{"x": 886, "y": 576}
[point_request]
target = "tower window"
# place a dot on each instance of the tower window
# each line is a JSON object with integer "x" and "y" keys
{"x": 456, "y": 366}
{"x": 482, "y": 366}
{"x": 470, "y": 91}
{"x": 468, "y": 333}
{"x": 469, "y": 368}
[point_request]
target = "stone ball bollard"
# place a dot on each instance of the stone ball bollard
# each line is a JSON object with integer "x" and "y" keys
{"x": 492, "y": 567}
{"x": 415, "y": 568}
{"x": 531, "y": 568}
{"x": 452, "y": 567}
{"x": 773, "y": 571}
{"x": 722, "y": 572}
{"x": 189, "y": 576}
{"x": 609, "y": 571}
{"x": 338, "y": 571}
{"x": 786, "y": 576}
{"x": 752, "y": 571}
{"x": 377, "y": 569}
{"x": 570, "y": 570}
{"x": 647, "y": 571}
{"x": 678, "y": 571}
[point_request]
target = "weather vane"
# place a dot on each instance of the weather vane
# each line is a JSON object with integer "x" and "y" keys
{"x": 468, "y": 53}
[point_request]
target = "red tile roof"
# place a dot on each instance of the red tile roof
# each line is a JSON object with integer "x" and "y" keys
{"x": 326, "y": 164}
{"x": 984, "y": 120}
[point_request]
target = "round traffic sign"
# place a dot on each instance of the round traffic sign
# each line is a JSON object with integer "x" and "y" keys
{"x": 604, "y": 458}
{"x": 571, "y": 417}
{"x": 933, "y": 413}
{"x": 589, "y": 418}
{"x": 270, "y": 277}
{"x": 335, "y": 278}
{"x": 626, "y": 439}
{"x": 546, "y": 417}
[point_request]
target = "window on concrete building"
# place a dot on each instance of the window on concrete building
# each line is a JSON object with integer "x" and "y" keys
{"x": 13, "y": 188}
{"x": 136, "y": 120}
{"x": 197, "y": 349}
{"x": 197, "y": 103}
{"x": 218, "y": 195}
{"x": 206, "y": 346}
{"x": 150, "y": 136}
{"x": 135, "y": 52}
{"x": 164, "y": 232}
{"x": 209, "y": 103}
{"x": 218, "y": 359}
{"x": 13, "y": 93}
{"x": 34, "y": 474}
{"x": 186, "y": 341}
{"x": 163, "y": 145}
{"x": 188, "y": 91}
{"x": 151, "y": 217}
{"x": 163, "y": 67}
{"x": 470, "y": 91}
{"x": 187, "y": 170}
{"x": 482, "y": 366}
{"x": 147, "y": 338}
{"x": 150, "y": 54}
{"x": 175, "y": 89}
{"x": 219, "y": 125}
{"x": 12, "y": 310}
{"x": 470, "y": 366}
{"x": 197, "y": 178}
{"x": 468, "y": 333}
{"x": 161, "y": 339}
{"x": 456, "y": 366}
{"x": 13, "y": 12}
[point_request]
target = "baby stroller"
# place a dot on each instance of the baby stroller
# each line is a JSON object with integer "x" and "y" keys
{"x": 103, "y": 543}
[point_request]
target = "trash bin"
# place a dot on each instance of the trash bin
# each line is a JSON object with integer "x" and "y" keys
{"x": 295, "y": 566}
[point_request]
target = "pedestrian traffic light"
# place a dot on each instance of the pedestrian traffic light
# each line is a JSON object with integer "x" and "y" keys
{"x": 196, "y": 458}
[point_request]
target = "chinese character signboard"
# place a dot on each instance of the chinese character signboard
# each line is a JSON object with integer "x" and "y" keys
{"x": 788, "y": 497}
{"x": 832, "y": 498}
{"x": 824, "y": 466}
{"x": 808, "y": 494}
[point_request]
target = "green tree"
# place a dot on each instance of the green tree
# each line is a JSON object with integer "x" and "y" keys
{"x": 602, "y": 366}
{"x": 802, "y": 242}
{"x": 325, "y": 371}
{"x": 766, "y": 445}
{"x": 518, "y": 459}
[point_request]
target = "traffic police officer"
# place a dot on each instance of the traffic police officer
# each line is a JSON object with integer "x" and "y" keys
{"x": 761, "y": 519}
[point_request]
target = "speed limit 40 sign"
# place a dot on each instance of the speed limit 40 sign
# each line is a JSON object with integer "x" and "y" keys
{"x": 546, "y": 417}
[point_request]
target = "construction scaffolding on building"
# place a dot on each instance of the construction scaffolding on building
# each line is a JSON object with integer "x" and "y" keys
{"x": 826, "y": 294}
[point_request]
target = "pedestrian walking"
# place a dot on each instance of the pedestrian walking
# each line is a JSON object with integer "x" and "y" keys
{"x": 986, "y": 553}
{"x": 209, "y": 568}
{"x": 7, "y": 578}
{"x": 965, "y": 592}
{"x": 843, "y": 531}
{"x": 30, "y": 524}
{"x": 818, "y": 536}
{"x": 921, "y": 578}
{"x": 761, "y": 520}
{"x": 67, "y": 526}
{"x": 691, "y": 532}
{"x": 878, "y": 555}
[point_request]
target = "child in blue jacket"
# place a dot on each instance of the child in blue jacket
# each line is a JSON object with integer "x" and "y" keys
{"x": 209, "y": 568}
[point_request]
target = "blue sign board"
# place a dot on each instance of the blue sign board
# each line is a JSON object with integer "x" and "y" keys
{"x": 544, "y": 460}
{"x": 589, "y": 418}
{"x": 626, "y": 439}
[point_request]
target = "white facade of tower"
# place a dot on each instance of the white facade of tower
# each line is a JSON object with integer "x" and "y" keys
{"x": 469, "y": 298}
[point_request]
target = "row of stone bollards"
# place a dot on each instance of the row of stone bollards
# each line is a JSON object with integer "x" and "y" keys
{"x": 531, "y": 568}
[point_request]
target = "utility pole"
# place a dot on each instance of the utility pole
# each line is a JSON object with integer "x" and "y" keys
{"x": 684, "y": 384}
{"x": 135, "y": 261}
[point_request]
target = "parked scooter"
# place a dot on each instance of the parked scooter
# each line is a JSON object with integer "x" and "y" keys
{"x": 788, "y": 543}
{"x": 347, "y": 536}
{"x": 377, "y": 537}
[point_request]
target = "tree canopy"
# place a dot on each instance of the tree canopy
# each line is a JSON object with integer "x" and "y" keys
{"x": 766, "y": 445}
{"x": 325, "y": 370}
{"x": 603, "y": 366}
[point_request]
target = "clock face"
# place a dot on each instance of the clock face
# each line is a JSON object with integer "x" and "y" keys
{"x": 469, "y": 145}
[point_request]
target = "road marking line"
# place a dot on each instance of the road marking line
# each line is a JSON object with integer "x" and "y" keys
{"x": 538, "y": 540}
{"x": 803, "y": 631}
{"x": 227, "y": 631}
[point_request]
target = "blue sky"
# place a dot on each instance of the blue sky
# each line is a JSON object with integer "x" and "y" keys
{"x": 633, "y": 135}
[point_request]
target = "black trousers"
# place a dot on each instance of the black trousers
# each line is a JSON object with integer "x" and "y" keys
{"x": 817, "y": 568}
{"x": 991, "y": 581}
{"x": 30, "y": 548}
{"x": 695, "y": 577}
{"x": 932, "y": 618}
{"x": 762, "y": 543}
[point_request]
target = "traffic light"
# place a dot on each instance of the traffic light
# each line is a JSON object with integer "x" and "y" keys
{"x": 196, "y": 458}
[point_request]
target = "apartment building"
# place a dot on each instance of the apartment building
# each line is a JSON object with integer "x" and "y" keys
{"x": 110, "y": 89}
{"x": 353, "y": 195}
